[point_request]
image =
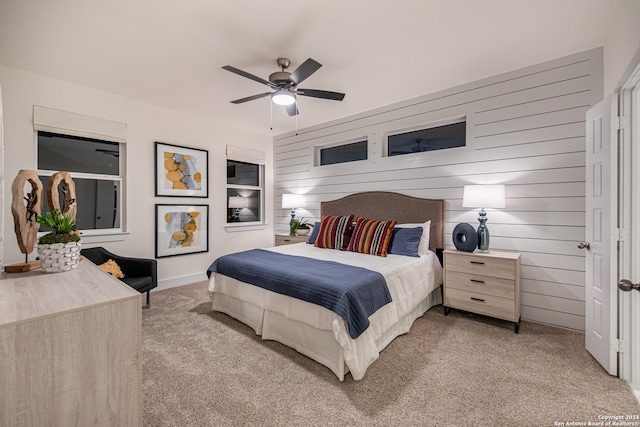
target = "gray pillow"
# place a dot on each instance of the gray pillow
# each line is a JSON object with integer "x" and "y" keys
{"x": 405, "y": 241}
{"x": 314, "y": 233}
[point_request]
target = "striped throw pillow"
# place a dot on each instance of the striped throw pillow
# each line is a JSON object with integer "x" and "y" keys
{"x": 333, "y": 232}
{"x": 371, "y": 237}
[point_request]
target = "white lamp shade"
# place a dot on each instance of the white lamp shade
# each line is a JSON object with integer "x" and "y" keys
{"x": 283, "y": 97}
{"x": 483, "y": 196}
{"x": 291, "y": 201}
{"x": 238, "y": 202}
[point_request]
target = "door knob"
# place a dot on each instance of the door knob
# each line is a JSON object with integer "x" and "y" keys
{"x": 627, "y": 285}
{"x": 584, "y": 245}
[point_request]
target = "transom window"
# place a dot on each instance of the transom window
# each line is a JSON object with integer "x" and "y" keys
{"x": 344, "y": 153}
{"x": 431, "y": 139}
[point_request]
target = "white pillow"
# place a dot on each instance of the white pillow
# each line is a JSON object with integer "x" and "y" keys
{"x": 423, "y": 248}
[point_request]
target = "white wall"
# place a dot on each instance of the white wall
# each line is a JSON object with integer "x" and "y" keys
{"x": 146, "y": 124}
{"x": 526, "y": 129}
{"x": 621, "y": 44}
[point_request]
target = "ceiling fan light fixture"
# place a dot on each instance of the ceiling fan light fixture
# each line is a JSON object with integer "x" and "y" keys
{"x": 283, "y": 97}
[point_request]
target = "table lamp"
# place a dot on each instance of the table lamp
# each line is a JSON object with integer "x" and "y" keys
{"x": 237, "y": 203}
{"x": 292, "y": 201}
{"x": 483, "y": 196}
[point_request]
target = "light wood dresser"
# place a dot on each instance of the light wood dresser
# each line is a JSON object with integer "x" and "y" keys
{"x": 70, "y": 349}
{"x": 282, "y": 239}
{"x": 486, "y": 283}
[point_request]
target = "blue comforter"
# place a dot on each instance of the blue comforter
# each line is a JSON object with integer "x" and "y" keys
{"x": 353, "y": 293}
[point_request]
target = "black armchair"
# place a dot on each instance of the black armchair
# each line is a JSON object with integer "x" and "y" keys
{"x": 139, "y": 273}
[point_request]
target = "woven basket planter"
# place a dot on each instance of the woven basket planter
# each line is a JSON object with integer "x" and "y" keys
{"x": 58, "y": 257}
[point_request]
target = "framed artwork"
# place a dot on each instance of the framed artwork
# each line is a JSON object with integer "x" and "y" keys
{"x": 181, "y": 229}
{"x": 181, "y": 171}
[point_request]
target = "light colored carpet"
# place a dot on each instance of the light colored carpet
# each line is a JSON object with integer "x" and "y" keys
{"x": 203, "y": 368}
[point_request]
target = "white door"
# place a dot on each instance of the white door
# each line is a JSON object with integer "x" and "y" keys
{"x": 601, "y": 302}
{"x": 629, "y": 302}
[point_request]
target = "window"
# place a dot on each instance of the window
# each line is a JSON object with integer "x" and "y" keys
{"x": 244, "y": 192}
{"x": 351, "y": 152}
{"x": 97, "y": 171}
{"x": 435, "y": 138}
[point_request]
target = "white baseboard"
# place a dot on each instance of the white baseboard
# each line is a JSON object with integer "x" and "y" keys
{"x": 180, "y": 281}
{"x": 636, "y": 390}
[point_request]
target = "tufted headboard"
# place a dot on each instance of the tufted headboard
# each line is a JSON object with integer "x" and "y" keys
{"x": 384, "y": 205}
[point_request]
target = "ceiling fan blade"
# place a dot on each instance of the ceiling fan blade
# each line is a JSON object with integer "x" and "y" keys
{"x": 247, "y": 75}
{"x": 292, "y": 109}
{"x": 250, "y": 98}
{"x": 305, "y": 69}
{"x": 324, "y": 94}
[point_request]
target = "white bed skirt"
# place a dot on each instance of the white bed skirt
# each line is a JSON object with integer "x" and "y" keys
{"x": 315, "y": 331}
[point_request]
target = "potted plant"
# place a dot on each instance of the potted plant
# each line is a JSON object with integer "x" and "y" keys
{"x": 58, "y": 250}
{"x": 300, "y": 227}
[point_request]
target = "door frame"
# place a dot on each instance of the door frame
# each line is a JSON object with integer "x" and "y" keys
{"x": 2, "y": 236}
{"x": 629, "y": 222}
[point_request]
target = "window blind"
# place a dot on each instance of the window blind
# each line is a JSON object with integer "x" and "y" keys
{"x": 63, "y": 122}
{"x": 246, "y": 155}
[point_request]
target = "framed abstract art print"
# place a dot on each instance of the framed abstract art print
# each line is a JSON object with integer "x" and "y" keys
{"x": 181, "y": 171}
{"x": 181, "y": 229}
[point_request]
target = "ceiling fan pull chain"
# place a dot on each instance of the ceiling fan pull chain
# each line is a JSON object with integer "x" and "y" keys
{"x": 271, "y": 108}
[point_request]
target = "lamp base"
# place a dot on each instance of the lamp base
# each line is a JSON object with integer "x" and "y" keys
{"x": 483, "y": 232}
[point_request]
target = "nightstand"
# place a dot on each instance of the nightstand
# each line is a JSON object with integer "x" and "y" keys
{"x": 485, "y": 283}
{"x": 283, "y": 239}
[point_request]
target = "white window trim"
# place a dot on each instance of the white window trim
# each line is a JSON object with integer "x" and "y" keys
{"x": 318, "y": 149}
{"x": 251, "y": 156}
{"x": 234, "y": 227}
{"x": 65, "y": 123}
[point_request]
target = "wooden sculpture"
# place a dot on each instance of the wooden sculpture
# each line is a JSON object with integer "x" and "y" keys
{"x": 25, "y": 210}
{"x": 62, "y": 182}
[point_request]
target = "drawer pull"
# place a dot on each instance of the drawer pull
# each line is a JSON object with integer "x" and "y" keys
{"x": 477, "y": 281}
{"x": 477, "y": 299}
{"x": 477, "y": 262}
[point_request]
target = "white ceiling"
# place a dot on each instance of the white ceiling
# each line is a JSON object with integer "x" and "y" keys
{"x": 170, "y": 52}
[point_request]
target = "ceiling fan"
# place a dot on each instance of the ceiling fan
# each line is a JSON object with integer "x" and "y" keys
{"x": 418, "y": 148}
{"x": 286, "y": 85}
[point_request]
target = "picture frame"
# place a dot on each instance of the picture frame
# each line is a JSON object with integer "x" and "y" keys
{"x": 181, "y": 229}
{"x": 181, "y": 171}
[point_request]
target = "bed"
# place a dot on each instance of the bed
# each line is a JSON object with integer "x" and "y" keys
{"x": 321, "y": 334}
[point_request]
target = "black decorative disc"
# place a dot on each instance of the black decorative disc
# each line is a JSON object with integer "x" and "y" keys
{"x": 465, "y": 237}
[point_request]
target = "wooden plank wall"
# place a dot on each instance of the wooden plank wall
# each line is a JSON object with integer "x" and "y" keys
{"x": 525, "y": 129}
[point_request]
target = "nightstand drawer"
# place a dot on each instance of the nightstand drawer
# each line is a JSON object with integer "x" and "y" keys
{"x": 288, "y": 240}
{"x": 489, "y": 305}
{"x": 487, "y": 285}
{"x": 483, "y": 266}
